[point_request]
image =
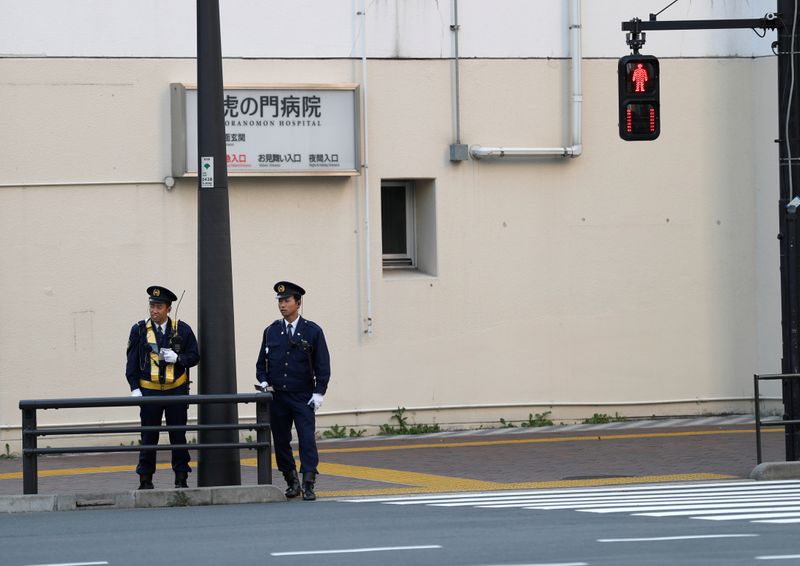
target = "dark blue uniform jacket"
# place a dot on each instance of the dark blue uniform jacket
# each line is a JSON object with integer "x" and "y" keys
{"x": 138, "y": 366}
{"x": 302, "y": 365}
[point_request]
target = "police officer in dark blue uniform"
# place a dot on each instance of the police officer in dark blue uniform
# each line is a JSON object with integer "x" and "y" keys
{"x": 294, "y": 363}
{"x": 160, "y": 352}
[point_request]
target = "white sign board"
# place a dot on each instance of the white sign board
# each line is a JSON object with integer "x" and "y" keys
{"x": 275, "y": 130}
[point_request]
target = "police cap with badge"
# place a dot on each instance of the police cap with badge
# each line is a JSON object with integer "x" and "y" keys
{"x": 285, "y": 289}
{"x": 160, "y": 294}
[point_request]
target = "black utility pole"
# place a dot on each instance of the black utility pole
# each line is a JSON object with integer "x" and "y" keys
{"x": 217, "y": 371}
{"x": 788, "y": 112}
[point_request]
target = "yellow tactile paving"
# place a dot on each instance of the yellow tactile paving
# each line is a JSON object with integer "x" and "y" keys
{"x": 431, "y": 481}
{"x": 448, "y": 484}
{"x": 422, "y": 483}
{"x": 584, "y": 438}
{"x": 81, "y": 471}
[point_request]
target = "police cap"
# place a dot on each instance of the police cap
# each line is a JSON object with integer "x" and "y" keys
{"x": 285, "y": 289}
{"x": 160, "y": 294}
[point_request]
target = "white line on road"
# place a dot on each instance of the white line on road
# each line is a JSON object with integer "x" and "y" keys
{"x": 703, "y": 512}
{"x": 622, "y": 505}
{"x": 686, "y": 537}
{"x": 749, "y": 516}
{"x": 784, "y": 557}
{"x": 72, "y": 564}
{"x": 352, "y": 550}
{"x": 661, "y": 510}
{"x": 548, "y": 564}
{"x": 728, "y": 485}
{"x": 579, "y": 498}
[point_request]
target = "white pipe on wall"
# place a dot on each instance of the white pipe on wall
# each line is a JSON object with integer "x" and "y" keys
{"x": 576, "y": 101}
{"x": 365, "y": 170}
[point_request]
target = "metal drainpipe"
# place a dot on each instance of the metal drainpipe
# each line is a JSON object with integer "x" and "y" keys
{"x": 365, "y": 170}
{"x": 455, "y": 27}
{"x": 576, "y": 100}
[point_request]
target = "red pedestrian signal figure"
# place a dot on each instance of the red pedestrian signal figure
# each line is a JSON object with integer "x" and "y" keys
{"x": 639, "y": 78}
{"x": 639, "y": 104}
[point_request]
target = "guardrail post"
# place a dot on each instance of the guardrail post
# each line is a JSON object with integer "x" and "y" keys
{"x": 263, "y": 453}
{"x": 757, "y": 411}
{"x": 30, "y": 463}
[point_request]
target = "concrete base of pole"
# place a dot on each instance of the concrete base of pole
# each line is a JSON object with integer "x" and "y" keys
{"x": 776, "y": 471}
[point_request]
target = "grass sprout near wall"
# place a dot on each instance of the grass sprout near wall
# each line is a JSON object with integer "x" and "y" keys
{"x": 403, "y": 427}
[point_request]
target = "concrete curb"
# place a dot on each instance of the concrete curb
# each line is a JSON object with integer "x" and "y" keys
{"x": 221, "y": 495}
{"x": 776, "y": 471}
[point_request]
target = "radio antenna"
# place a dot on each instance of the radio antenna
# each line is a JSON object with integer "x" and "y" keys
{"x": 175, "y": 340}
{"x": 179, "y": 304}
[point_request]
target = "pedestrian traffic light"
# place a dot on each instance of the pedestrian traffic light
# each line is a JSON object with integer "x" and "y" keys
{"x": 639, "y": 107}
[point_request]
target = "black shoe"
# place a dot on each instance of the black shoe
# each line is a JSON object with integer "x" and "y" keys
{"x": 308, "y": 486}
{"x": 145, "y": 481}
{"x": 180, "y": 479}
{"x": 293, "y": 482}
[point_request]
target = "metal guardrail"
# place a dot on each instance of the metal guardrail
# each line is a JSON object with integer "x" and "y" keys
{"x": 756, "y": 398}
{"x": 30, "y": 431}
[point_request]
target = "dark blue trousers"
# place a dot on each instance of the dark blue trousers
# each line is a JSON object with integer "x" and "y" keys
{"x": 288, "y": 408}
{"x": 151, "y": 415}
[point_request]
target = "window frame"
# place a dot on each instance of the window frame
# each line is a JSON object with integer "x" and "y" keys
{"x": 406, "y": 260}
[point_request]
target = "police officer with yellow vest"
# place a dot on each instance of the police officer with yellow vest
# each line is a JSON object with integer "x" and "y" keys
{"x": 294, "y": 363}
{"x": 160, "y": 352}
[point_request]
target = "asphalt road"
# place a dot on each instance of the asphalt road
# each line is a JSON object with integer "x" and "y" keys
{"x": 404, "y": 530}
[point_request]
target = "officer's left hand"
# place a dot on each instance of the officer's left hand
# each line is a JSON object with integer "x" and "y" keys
{"x": 315, "y": 401}
{"x": 169, "y": 355}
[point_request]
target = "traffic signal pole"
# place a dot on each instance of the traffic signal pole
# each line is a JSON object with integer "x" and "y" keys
{"x": 784, "y": 21}
{"x": 789, "y": 153}
{"x": 217, "y": 371}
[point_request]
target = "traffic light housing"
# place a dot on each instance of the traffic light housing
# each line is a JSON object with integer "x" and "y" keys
{"x": 639, "y": 105}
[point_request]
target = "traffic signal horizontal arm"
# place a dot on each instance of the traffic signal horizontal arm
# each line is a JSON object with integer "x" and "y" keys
{"x": 636, "y": 25}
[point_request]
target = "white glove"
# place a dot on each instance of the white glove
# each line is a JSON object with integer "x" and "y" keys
{"x": 136, "y": 392}
{"x": 315, "y": 401}
{"x": 169, "y": 355}
{"x": 264, "y": 385}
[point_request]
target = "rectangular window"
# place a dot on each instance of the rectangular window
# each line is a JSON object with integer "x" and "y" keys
{"x": 398, "y": 226}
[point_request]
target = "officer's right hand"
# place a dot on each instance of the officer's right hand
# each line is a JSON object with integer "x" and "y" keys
{"x": 136, "y": 392}
{"x": 264, "y": 385}
{"x": 169, "y": 355}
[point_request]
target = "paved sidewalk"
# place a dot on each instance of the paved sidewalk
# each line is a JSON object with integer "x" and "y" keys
{"x": 506, "y": 458}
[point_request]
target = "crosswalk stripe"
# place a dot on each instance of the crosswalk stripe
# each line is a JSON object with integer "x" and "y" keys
{"x": 581, "y": 500}
{"x": 677, "y": 494}
{"x": 751, "y": 516}
{"x": 774, "y": 501}
{"x": 698, "y": 511}
{"x": 584, "y": 492}
{"x": 622, "y": 506}
{"x": 639, "y": 510}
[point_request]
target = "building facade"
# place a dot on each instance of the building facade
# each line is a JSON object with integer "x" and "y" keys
{"x": 637, "y": 278}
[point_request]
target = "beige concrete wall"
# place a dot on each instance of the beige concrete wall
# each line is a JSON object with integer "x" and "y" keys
{"x": 639, "y": 278}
